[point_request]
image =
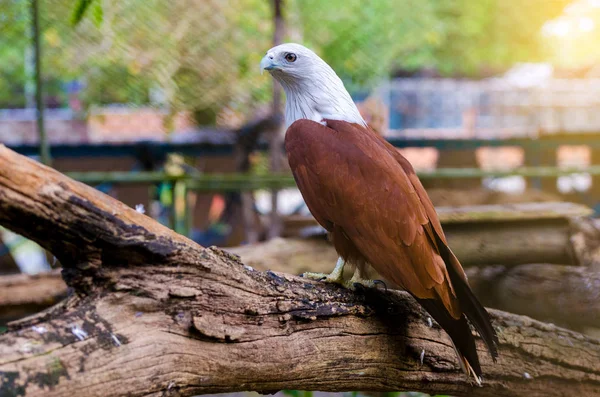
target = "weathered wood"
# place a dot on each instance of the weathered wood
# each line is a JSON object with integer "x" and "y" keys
{"x": 23, "y": 294}
{"x": 585, "y": 240}
{"x": 289, "y": 255}
{"x": 507, "y": 243}
{"x": 512, "y": 212}
{"x": 156, "y": 315}
{"x": 572, "y": 301}
{"x": 511, "y": 243}
{"x": 482, "y": 243}
{"x": 567, "y": 295}
{"x": 468, "y": 214}
{"x": 509, "y": 234}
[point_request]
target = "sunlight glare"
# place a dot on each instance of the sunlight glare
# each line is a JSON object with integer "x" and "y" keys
{"x": 559, "y": 27}
{"x": 586, "y": 24}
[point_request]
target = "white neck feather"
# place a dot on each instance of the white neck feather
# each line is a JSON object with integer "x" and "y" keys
{"x": 318, "y": 95}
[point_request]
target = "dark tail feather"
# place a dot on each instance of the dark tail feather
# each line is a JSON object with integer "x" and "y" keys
{"x": 469, "y": 304}
{"x": 474, "y": 310}
{"x": 458, "y": 329}
{"x": 460, "y": 333}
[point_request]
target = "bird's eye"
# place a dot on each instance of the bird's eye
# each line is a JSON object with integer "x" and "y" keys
{"x": 290, "y": 57}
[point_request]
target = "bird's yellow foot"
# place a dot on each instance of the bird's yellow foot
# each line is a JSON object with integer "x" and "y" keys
{"x": 358, "y": 279}
{"x": 336, "y": 276}
{"x": 327, "y": 278}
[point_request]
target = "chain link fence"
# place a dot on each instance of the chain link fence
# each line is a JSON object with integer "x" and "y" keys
{"x": 195, "y": 62}
{"x": 125, "y": 71}
{"x": 191, "y": 56}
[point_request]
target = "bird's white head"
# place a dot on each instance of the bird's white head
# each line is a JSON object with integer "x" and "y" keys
{"x": 313, "y": 90}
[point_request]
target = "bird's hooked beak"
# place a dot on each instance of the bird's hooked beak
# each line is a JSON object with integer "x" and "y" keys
{"x": 268, "y": 63}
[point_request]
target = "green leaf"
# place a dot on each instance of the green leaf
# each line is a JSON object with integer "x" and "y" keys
{"x": 97, "y": 14}
{"x": 79, "y": 11}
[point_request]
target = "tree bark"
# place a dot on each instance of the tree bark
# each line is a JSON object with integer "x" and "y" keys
{"x": 154, "y": 314}
{"x": 566, "y": 295}
{"x": 585, "y": 240}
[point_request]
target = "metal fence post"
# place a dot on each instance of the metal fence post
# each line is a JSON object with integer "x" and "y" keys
{"x": 180, "y": 205}
{"x": 39, "y": 103}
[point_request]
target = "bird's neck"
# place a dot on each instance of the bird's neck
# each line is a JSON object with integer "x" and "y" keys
{"x": 315, "y": 100}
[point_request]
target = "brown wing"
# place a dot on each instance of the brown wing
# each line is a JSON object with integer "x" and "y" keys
{"x": 434, "y": 228}
{"x": 357, "y": 184}
{"x": 469, "y": 304}
{"x": 351, "y": 179}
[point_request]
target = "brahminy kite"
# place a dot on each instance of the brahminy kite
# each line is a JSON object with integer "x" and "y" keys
{"x": 369, "y": 199}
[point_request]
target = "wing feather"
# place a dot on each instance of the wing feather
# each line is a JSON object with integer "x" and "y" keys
{"x": 361, "y": 189}
{"x": 353, "y": 181}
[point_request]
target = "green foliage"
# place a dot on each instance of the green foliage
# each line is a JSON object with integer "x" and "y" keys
{"x": 364, "y": 41}
{"x": 14, "y": 25}
{"x": 16, "y": 45}
{"x": 204, "y": 55}
{"x": 297, "y": 393}
{"x": 492, "y": 34}
{"x": 201, "y": 54}
{"x": 102, "y": 90}
{"x": 81, "y": 7}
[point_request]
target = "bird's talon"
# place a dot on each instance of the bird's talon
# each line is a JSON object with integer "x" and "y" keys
{"x": 327, "y": 278}
{"x": 375, "y": 282}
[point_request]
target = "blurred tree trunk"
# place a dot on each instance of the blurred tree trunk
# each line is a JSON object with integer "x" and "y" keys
{"x": 276, "y": 138}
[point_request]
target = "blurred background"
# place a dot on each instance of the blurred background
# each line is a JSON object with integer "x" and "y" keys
{"x": 162, "y": 104}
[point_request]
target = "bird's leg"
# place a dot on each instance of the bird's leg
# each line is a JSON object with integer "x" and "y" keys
{"x": 336, "y": 276}
{"x": 359, "y": 278}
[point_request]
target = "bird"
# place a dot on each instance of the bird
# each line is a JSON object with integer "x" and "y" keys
{"x": 371, "y": 202}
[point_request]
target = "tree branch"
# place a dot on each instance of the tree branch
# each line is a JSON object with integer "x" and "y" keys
{"x": 566, "y": 295}
{"x": 154, "y": 314}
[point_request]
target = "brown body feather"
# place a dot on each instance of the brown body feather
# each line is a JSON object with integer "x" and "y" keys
{"x": 377, "y": 212}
